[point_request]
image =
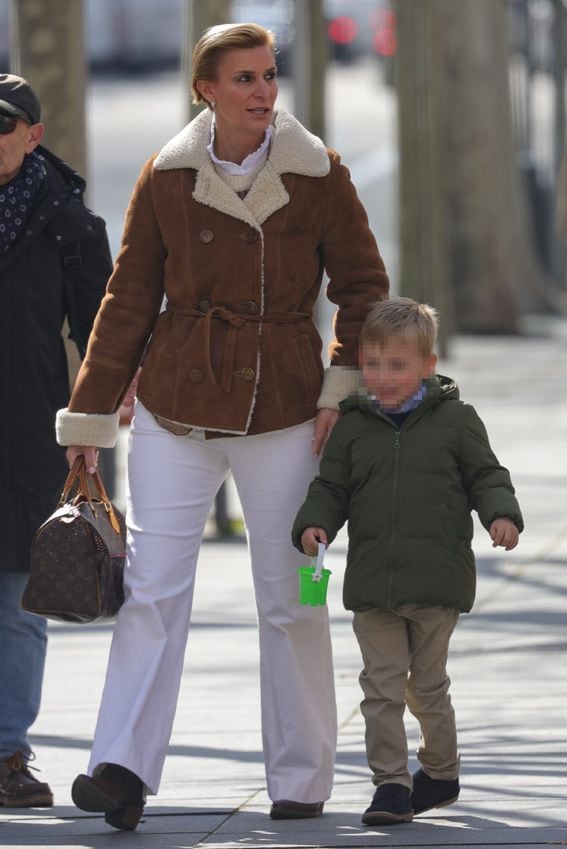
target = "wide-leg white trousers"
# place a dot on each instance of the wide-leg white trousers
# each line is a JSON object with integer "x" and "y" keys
{"x": 173, "y": 481}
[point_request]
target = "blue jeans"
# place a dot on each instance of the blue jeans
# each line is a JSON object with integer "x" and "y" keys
{"x": 23, "y": 641}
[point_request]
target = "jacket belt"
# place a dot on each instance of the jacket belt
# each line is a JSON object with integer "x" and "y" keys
{"x": 235, "y": 321}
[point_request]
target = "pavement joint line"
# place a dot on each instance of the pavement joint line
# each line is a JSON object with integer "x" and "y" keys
{"x": 519, "y": 567}
{"x": 352, "y": 715}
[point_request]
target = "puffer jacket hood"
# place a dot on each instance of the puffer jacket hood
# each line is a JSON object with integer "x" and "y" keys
{"x": 439, "y": 388}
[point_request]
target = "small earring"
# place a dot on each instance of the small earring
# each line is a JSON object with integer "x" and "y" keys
{"x": 213, "y": 104}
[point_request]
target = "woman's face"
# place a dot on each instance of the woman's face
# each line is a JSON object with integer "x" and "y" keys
{"x": 244, "y": 92}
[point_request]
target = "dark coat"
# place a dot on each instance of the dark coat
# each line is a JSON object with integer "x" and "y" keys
{"x": 57, "y": 269}
{"x": 408, "y": 496}
{"x": 237, "y": 350}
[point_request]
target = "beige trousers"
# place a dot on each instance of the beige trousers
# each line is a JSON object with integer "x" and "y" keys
{"x": 404, "y": 652}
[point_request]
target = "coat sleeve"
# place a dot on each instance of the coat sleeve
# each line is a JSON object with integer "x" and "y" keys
{"x": 357, "y": 277}
{"x": 128, "y": 310}
{"x": 86, "y": 276}
{"x": 487, "y": 483}
{"x": 326, "y": 504}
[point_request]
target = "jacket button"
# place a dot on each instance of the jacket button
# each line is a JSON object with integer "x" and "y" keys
{"x": 247, "y": 373}
{"x": 204, "y": 305}
{"x": 196, "y": 375}
{"x": 206, "y": 236}
{"x": 250, "y": 236}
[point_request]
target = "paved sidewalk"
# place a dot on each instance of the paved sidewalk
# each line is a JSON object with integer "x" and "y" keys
{"x": 507, "y": 665}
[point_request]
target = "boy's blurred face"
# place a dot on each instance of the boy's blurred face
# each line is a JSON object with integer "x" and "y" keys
{"x": 393, "y": 371}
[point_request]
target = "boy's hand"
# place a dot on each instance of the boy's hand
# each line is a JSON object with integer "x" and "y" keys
{"x": 309, "y": 539}
{"x": 505, "y": 533}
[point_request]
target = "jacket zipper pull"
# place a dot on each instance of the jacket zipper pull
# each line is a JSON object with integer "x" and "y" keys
{"x": 397, "y": 440}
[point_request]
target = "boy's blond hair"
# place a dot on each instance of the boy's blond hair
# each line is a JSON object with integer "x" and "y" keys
{"x": 218, "y": 40}
{"x": 401, "y": 317}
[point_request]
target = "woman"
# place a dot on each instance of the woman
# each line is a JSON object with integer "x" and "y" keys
{"x": 234, "y": 222}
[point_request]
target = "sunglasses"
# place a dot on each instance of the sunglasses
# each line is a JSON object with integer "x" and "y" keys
{"x": 7, "y": 124}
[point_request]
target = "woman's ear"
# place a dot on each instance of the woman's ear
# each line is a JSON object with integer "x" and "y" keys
{"x": 205, "y": 89}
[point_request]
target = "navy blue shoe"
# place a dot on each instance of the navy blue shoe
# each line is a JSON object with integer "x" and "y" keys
{"x": 390, "y": 805}
{"x": 431, "y": 793}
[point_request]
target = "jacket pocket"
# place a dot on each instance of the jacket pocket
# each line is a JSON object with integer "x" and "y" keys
{"x": 310, "y": 368}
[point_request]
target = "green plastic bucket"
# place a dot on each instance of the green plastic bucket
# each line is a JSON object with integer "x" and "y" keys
{"x": 314, "y": 580}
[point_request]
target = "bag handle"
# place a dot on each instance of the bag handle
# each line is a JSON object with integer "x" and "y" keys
{"x": 70, "y": 480}
{"x": 84, "y": 489}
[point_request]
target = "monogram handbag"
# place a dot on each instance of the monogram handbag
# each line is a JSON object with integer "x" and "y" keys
{"x": 78, "y": 554}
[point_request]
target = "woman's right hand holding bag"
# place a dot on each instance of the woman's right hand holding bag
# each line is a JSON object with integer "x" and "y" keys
{"x": 90, "y": 453}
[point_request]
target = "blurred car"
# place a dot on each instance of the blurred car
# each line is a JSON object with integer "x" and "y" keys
{"x": 359, "y": 28}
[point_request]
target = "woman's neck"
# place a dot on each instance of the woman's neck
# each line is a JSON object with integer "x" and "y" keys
{"x": 236, "y": 150}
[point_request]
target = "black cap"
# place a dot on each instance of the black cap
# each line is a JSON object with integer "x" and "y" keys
{"x": 17, "y": 97}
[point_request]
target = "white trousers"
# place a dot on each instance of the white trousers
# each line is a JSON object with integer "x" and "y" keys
{"x": 173, "y": 481}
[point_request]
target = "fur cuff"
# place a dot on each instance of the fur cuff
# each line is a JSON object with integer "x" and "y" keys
{"x": 338, "y": 383}
{"x": 87, "y": 428}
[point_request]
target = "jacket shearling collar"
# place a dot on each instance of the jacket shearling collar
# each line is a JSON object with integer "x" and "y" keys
{"x": 293, "y": 150}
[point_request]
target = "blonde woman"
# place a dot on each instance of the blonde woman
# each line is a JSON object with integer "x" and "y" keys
{"x": 234, "y": 222}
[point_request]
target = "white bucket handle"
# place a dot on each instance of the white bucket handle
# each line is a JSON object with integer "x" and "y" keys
{"x": 316, "y": 576}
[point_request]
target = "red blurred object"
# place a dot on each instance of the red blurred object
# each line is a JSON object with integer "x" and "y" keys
{"x": 385, "y": 39}
{"x": 342, "y": 30}
{"x": 385, "y": 42}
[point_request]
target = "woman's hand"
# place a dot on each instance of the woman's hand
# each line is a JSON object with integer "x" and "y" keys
{"x": 126, "y": 408}
{"x": 89, "y": 452}
{"x": 324, "y": 423}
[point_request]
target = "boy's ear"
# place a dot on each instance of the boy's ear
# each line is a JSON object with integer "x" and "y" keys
{"x": 430, "y": 363}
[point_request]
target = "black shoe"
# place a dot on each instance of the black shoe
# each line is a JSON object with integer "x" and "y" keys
{"x": 114, "y": 791}
{"x": 390, "y": 805}
{"x": 19, "y": 788}
{"x": 284, "y": 809}
{"x": 432, "y": 792}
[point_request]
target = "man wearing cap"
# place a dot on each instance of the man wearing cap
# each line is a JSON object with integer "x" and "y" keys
{"x": 54, "y": 264}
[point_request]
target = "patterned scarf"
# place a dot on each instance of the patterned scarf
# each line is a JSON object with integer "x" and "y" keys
{"x": 17, "y": 198}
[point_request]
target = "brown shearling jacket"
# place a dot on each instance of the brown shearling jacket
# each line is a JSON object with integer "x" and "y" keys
{"x": 235, "y": 350}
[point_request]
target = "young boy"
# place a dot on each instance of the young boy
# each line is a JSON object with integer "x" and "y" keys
{"x": 405, "y": 465}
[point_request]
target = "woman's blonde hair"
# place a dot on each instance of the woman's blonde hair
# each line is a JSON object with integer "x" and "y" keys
{"x": 401, "y": 317}
{"x": 218, "y": 40}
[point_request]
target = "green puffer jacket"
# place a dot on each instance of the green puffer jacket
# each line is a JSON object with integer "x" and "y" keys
{"x": 408, "y": 496}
